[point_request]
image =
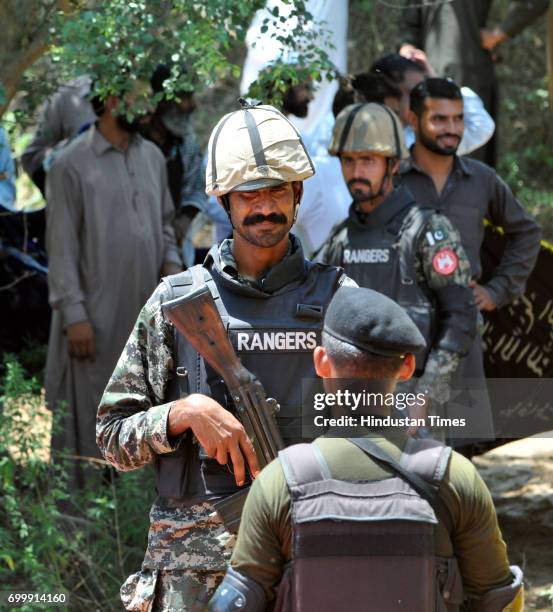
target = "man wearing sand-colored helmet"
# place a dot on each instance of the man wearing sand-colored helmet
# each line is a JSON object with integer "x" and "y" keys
{"x": 394, "y": 245}
{"x": 165, "y": 405}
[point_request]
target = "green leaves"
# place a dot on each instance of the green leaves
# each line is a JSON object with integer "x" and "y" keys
{"x": 98, "y": 540}
{"x": 304, "y": 57}
{"x": 121, "y": 42}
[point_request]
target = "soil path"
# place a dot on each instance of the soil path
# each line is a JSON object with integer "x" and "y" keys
{"x": 520, "y": 477}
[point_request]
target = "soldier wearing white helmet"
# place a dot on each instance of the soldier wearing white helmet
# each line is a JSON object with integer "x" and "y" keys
{"x": 164, "y": 405}
{"x": 390, "y": 244}
{"x": 254, "y": 153}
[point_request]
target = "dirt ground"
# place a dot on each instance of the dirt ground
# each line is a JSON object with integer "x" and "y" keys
{"x": 520, "y": 477}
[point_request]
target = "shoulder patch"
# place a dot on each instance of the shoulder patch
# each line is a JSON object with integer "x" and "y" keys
{"x": 445, "y": 262}
{"x": 435, "y": 235}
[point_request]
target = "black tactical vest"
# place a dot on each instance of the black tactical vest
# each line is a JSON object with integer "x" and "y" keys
{"x": 382, "y": 258}
{"x": 274, "y": 335}
{"x": 372, "y": 541}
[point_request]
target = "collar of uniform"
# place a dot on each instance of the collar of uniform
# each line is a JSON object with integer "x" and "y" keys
{"x": 395, "y": 435}
{"x": 100, "y": 144}
{"x": 392, "y": 205}
{"x": 227, "y": 260}
{"x": 460, "y": 165}
{"x": 292, "y": 266}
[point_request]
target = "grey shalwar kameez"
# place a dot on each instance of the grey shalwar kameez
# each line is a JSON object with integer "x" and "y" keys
{"x": 108, "y": 233}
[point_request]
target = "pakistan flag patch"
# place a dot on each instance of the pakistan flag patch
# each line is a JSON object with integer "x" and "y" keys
{"x": 436, "y": 236}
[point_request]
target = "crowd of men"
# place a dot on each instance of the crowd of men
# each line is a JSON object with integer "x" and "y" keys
{"x": 376, "y": 257}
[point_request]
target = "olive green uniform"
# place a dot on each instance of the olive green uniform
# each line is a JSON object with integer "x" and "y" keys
{"x": 263, "y": 547}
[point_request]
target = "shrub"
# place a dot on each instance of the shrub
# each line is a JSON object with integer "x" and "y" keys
{"x": 52, "y": 540}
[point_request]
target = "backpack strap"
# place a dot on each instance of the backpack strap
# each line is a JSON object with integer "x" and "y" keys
{"x": 408, "y": 238}
{"x": 302, "y": 464}
{"x": 179, "y": 285}
{"x": 183, "y": 283}
{"x": 426, "y": 457}
{"x": 422, "y": 487}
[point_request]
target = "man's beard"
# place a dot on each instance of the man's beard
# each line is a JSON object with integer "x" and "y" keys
{"x": 357, "y": 194}
{"x": 132, "y": 127}
{"x": 432, "y": 145}
{"x": 268, "y": 239}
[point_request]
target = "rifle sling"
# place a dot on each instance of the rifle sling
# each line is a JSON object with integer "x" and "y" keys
{"x": 423, "y": 488}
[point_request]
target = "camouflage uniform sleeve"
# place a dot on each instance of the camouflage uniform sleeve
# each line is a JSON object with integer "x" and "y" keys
{"x": 441, "y": 262}
{"x": 131, "y": 426}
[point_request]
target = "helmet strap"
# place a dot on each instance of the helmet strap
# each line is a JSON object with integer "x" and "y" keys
{"x": 297, "y": 200}
{"x": 225, "y": 199}
{"x": 296, "y": 210}
{"x": 388, "y": 176}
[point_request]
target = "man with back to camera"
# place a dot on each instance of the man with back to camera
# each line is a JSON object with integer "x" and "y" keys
{"x": 185, "y": 424}
{"x": 63, "y": 116}
{"x": 394, "y": 246}
{"x": 367, "y": 87}
{"x": 326, "y": 526}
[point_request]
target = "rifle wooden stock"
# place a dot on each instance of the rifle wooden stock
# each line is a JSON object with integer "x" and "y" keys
{"x": 196, "y": 317}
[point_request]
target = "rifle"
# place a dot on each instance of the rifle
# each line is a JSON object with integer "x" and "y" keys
{"x": 196, "y": 317}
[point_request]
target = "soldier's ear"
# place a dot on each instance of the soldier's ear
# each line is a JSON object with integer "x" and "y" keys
{"x": 297, "y": 186}
{"x": 407, "y": 368}
{"x": 323, "y": 365}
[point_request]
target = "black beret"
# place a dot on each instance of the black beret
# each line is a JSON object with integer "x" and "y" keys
{"x": 372, "y": 322}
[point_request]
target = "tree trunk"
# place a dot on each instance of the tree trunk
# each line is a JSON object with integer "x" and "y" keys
{"x": 25, "y": 37}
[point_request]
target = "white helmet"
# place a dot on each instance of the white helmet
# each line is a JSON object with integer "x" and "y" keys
{"x": 253, "y": 148}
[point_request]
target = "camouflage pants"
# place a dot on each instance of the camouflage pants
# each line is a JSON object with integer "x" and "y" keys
{"x": 170, "y": 591}
{"x": 188, "y": 552}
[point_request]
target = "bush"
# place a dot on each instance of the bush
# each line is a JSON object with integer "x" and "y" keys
{"x": 87, "y": 550}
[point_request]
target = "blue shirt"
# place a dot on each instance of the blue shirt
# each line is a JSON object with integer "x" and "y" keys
{"x": 7, "y": 173}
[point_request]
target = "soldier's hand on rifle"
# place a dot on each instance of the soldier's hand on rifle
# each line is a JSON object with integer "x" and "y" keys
{"x": 80, "y": 341}
{"x": 217, "y": 430}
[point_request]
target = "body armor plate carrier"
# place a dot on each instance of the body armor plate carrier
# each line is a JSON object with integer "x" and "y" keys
{"x": 366, "y": 545}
